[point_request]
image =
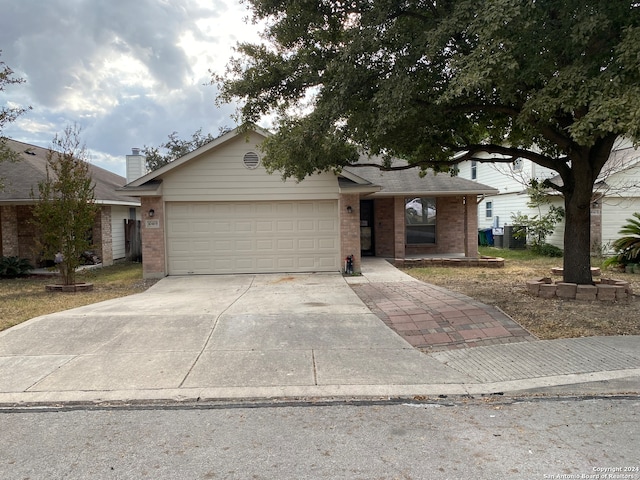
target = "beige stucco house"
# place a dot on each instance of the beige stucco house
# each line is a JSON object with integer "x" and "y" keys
{"x": 218, "y": 211}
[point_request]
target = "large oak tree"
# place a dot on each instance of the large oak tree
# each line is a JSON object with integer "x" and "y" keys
{"x": 435, "y": 82}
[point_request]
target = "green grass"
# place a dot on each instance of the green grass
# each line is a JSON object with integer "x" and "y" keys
{"x": 508, "y": 254}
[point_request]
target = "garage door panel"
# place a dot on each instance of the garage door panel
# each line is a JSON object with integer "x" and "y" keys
{"x": 327, "y": 225}
{"x": 223, "y": 265}
{"x": 244, "y": 237}
{"x": 222, "y": 246}
{"x": 285, "y": 226}
{"x": 265, "y": 245}
{"x": 307, "y": 244}
{"x": 265, "y": 264}
{"x": 285, "y": 209}
{"x": 306, "y": 208}
{"x": 265, "y": 209}
{"x": 306, "y": 226}
{"x": 285, "y": 264}
{"x": 307, "y": 263}
{"x": 179, "y": 228}
{"x": 327, "y": 244}
{"x": 201, "y": 246}
{"x": 285, "y": 244}
{"x": 244, "y": 227}
{"x": 244, "y": 263}
{"x": 327, "y": 208}
{"x": 201, "y": 227}
{"x": 180, "y": 246}
{"x": 222, "y": 226}
{"x": 244, "y": 245}
{"x": 326, "y": 262}
{"x": 264, "y": 226}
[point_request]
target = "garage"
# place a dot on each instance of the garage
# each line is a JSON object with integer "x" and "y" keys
{"x": 252, "y": 237}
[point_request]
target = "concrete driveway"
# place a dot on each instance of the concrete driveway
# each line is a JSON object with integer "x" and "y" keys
{"x": 200, "y": 337}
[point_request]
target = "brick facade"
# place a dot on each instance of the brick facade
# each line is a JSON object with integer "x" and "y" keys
{"x": 383, "y": 231}
{"x": 450, "y": 229}
{"x": 27, "y": 234}
{"x": 350, "y": 228}
{"x": 153, "y": 244}
{"x": 9, "y": 227}
{"x": 19, "y": 234}
{"x": 456, "y": 228}
{"x": 471, "y": 229}
{"x": 102, "y": 236}
{"x": 455, "y": 217}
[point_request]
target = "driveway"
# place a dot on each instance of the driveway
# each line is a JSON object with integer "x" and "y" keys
{"x": 226, "y": 336}
{"x": 247, "y": 337}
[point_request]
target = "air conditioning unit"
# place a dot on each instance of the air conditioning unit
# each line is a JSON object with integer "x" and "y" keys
{"x": 510, "y": 241}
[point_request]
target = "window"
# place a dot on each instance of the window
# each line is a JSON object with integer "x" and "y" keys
{"x": 420, "y": 220}
{"x": 474, "y": 169}
{"x": 489, "y": 209}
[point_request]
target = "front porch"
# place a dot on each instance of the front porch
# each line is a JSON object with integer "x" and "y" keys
{"x": 397, "y": 228}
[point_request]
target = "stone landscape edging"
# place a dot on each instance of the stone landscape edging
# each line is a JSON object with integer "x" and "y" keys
{"x": 486, "y": 262}
{"x": 607, "y": 289}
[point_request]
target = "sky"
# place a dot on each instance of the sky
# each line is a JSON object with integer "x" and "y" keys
{"x": 128, "y": 73}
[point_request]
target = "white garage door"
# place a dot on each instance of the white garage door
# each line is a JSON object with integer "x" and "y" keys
{"x": 248, "y": 237}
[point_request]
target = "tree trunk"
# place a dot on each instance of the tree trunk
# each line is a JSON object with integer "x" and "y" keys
{"x": 577, "y": 238}
{"x": 577, "y": 229}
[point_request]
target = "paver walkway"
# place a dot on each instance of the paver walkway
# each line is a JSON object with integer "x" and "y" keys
{"x": 434, "y": 319}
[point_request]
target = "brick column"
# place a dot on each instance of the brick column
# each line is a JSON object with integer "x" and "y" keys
{"x": 383, "y": 228}
{"x": 152, "y": 233}
{"x": 399, "y": 240}
{"x": 102, "y": 236}
{"x": 350, "y": 229}
{"x": 9, "y": 227}
{"x": 471, "y": 227}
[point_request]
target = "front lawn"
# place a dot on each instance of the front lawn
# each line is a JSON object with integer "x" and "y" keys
{"x": 547, "y": 319}
{"x": 25, "y": 298}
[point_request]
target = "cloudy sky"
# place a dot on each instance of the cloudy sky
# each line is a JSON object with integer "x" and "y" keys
{"x": 129, "y": 73}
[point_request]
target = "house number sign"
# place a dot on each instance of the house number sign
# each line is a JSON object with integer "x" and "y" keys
{"x": 152, "y": 223}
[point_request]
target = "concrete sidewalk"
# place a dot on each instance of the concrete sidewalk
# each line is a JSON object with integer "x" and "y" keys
{"x": 263, "y": 337}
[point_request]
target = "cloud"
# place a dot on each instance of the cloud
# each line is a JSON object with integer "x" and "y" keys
{"x": 129, "y": 73}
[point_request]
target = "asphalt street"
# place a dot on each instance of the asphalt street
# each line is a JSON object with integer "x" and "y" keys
{"x": 490, "y": 438}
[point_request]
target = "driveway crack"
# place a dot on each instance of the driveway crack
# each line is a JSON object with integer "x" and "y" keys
{"x": 215, "y": 324}
{"x": 315, "y": 370}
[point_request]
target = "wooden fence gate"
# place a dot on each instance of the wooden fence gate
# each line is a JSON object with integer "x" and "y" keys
{"x": 132, "y": 240}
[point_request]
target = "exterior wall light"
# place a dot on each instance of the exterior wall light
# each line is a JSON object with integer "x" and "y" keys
{"x": 152, "y": 212}
{"x": 349, "y": 209}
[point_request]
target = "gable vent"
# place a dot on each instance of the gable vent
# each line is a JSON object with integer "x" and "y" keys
{"x": 251, "y": 160}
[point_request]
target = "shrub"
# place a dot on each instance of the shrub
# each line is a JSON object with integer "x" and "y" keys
{"x": 628, "y": 247}
{"x": 11, "y": 267}
{"x": 547, "y": 250}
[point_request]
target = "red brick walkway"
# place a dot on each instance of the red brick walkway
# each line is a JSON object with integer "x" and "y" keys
{"x": 432, "y": 318}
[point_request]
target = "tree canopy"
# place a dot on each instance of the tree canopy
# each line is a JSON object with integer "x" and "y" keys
{"x": 66, "y": 208}
{"x": 8, "y": 113}
{"x": 176, "y": 147}
{"x": 437, "y": 82}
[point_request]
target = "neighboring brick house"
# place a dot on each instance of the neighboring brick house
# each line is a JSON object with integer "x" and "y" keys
{"x": 17, "y": 231}
{"x": 217, "y": 210}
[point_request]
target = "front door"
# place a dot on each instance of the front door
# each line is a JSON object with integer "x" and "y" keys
{"x": 366, "y": 228}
